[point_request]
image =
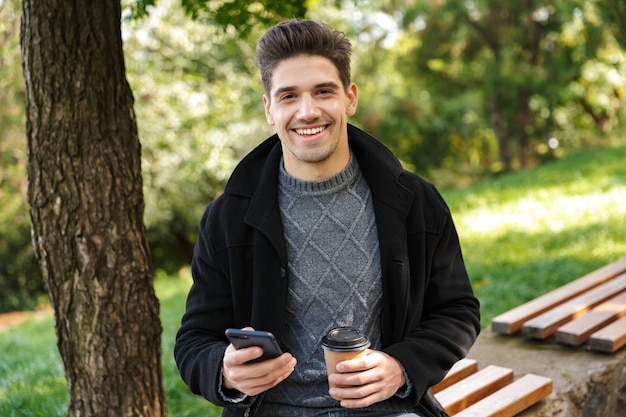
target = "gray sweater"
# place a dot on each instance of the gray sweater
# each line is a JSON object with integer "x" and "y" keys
{"x": 334, "y": 280}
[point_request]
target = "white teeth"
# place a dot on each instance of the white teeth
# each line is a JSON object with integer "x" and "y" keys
{"x": 309, "y": 131}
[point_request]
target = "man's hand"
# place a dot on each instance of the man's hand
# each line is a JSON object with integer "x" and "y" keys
{"x": 254, "y": 378}
{"x": 367, "y": 380}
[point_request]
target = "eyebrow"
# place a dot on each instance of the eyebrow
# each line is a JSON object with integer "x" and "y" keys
{"x": 286, "y": 89}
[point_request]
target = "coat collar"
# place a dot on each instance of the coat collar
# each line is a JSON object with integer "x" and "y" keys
{"x": 256, "y": 178}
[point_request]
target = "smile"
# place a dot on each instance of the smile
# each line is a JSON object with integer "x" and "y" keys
{"x": 313, "y": 131}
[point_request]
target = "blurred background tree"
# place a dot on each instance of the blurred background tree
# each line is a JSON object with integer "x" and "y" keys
{"x": 194, "y": 87}
{"x": 198, "y": 103}
{"x": 489, "y": 86}
{"x": 459, "y": 90}
{"x": 21, "y": 285}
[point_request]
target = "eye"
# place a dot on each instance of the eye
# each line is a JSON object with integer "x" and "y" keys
{"x": 287, "y": 97}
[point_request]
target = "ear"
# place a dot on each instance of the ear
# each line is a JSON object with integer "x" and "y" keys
{"x": 353, "y": 98}
{"x": 268, "y": 114}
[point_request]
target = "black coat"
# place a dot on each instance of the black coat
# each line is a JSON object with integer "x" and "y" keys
{"x": 430, "y": 314}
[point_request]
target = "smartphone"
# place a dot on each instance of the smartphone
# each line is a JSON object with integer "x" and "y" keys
{"x": 246, "y": 338}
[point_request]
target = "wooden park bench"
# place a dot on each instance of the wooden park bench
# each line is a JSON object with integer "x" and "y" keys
{"x": 493, "y": 391}
{"x": 590, "y": 309}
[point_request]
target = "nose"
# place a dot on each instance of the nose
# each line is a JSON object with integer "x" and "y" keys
{"x": 308, "y": 109}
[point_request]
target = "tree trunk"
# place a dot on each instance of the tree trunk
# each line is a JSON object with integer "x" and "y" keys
{"x": 86, "y": 206}
{"x": 496, "y": 123}
{"x": 525, "y": 123}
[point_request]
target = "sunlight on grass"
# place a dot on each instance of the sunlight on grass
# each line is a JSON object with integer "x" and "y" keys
{"x": 526, "y": 233}
{"x": 544, "y": 211}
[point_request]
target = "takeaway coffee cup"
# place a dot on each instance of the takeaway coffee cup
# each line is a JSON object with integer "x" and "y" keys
{"x": 343, "y": 343}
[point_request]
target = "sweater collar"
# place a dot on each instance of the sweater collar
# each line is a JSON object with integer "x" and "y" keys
{"x": 337, "y": 182}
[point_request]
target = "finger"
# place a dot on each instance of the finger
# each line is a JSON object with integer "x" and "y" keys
{"x": 253, "y": 379}
{"x": 234, "y": 357}
{"x": 255, "y": 386}
{"x": 362, "y": 363}
{"x": 275, "y": 377}
{"x": 348, "y": 389}
{"x": 356, "y": 397}
{"x": 361, "y": 402}
{"x": 357, "y": 378}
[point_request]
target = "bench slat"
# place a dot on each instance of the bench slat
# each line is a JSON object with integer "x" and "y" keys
{"x": 578, "y": 331}
{"x": 547, "y": 323}
{"x": 610, "y": 338}
{"x": 474, "y": 388}
{"x": 462, "y": 369}
{"x": 512, "y": 399}
{"x": 512, "y": 321}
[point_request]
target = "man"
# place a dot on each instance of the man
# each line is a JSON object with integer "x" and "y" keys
{"x": 320, "y": 227}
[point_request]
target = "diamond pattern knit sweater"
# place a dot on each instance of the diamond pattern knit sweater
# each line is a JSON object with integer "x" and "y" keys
{"x": 334, "y": 278}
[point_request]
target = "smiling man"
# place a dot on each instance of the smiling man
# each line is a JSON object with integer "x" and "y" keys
{"x": 320, "y": 227}
{"x": 310, "y": 116}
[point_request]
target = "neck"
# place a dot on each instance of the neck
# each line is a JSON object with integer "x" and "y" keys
{"x": 321, "y": 170}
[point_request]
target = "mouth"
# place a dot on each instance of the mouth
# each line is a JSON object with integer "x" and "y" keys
{"x": 310, "y": 131}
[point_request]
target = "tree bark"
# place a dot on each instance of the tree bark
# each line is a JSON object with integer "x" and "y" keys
{"x": 86, "y": 207}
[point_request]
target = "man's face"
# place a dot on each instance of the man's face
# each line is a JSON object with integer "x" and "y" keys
{"x": 309, "y": 108}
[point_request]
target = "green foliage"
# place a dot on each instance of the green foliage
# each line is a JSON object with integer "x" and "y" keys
{"x": 518, "y": 72}
{"x": 199, "y": 107}
{"x": 241, "y": 15}
{"x": 614, "y": 15}
{"x": 244, "y": 15}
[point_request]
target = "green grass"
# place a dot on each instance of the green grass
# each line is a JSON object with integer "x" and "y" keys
{"x": 526, "y": 233}
{"x": 32, "y": 383}
{"x": 180, "y": 402}
{"x": 523, "y": 234}
{"x": 31, "y": 377}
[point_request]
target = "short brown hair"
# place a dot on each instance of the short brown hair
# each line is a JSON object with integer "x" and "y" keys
{"x": 302, "y": 37}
